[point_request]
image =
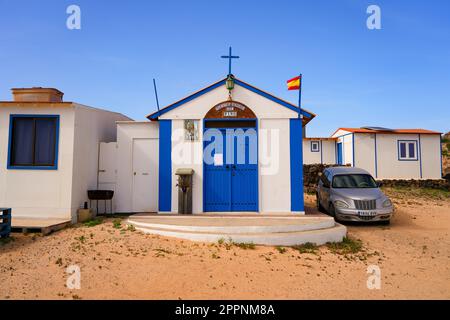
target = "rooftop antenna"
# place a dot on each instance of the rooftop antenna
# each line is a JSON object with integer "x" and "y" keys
{"x": 156, "y": 93}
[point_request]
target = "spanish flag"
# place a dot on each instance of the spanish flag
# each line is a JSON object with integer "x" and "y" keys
{"x": 294, "y": 83}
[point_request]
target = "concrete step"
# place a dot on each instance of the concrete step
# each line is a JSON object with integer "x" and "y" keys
{"x": 234, "y": 225}
{"x": 314, "y": 231}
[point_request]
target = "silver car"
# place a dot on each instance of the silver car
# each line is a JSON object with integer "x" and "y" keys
{"x": 352, "y": 194}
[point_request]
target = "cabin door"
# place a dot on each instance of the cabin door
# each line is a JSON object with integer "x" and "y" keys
{"x": 145, "y": 175}
{"x": 339, "y": 153}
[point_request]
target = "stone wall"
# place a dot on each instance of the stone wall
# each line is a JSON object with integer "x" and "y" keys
{"x": 432, "y": 184}
{"x": 311, "y": 176}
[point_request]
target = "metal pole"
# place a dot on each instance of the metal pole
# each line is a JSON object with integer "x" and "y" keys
{"x": 156, "y": 93}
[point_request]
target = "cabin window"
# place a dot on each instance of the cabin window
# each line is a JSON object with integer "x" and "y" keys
{"x": 315, "y": 146}
{"x": 33, "y": 142}
{"x": 191, "y": 130}
{"x": 407, "y": 150}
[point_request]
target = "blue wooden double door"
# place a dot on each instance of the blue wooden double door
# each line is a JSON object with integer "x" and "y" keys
{"x": 230, "y": 168}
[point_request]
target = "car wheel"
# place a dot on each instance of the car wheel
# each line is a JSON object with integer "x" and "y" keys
{"x": 319, "y": 206}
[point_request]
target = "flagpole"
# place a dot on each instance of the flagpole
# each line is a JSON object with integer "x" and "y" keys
{"x": 302, "y": 199}
{"x": 300, "y": 97}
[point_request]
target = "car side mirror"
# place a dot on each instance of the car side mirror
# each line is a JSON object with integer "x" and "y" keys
{"x": 380, "y": 184}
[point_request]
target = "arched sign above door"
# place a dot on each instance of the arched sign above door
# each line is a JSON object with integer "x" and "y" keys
{"x": 230, "y": 110}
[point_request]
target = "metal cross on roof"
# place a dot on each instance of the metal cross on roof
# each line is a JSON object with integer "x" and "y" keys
{"x": 230, "y": 57}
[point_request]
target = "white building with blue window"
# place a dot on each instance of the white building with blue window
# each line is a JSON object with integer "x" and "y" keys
{"x": 49, "y": 152}
{"x": 385, "y": 153}
{"x": 391, "y": 153}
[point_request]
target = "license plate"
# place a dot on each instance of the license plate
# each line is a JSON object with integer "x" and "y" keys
{"x": 367, "y": 213}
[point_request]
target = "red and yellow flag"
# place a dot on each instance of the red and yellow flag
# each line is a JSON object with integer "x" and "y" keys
{"x": 294, "y": 83}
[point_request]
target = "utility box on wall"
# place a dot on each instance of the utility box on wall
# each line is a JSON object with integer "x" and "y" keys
{"x": 184, "y": 190}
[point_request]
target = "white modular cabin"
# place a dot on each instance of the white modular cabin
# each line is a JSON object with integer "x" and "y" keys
{"x": 319, "y": 150}
{"x": 391, "y": 153}
{"x": 49, "y": 153}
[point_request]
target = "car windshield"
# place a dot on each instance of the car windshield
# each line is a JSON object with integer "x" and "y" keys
{"x": 354, "y": 181}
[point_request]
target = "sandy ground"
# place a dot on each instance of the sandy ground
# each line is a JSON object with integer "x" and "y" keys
{"x": 413, "y": 254}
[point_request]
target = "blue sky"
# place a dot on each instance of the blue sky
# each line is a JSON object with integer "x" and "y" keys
{"x": 396, "y": 77}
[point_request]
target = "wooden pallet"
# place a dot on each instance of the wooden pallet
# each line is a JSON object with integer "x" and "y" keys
{"x": 5, "y": 222}
{"x": 38, "y": 226}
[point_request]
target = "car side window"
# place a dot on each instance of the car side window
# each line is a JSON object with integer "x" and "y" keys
{"x": 325, "y": 179}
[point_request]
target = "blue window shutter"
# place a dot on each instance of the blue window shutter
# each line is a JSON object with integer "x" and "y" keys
{"x": 412, "y": 151}
{"x": 44, "y": 152}
{"x": 402, "y": 150}
{"x": 22, "y": 141}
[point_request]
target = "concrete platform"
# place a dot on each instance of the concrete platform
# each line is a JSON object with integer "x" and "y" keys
{"x": 284, "y": 230}
{"x": 44, "y": 226}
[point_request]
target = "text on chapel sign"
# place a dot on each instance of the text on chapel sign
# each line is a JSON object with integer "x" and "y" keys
{"x": 230, "y": 110}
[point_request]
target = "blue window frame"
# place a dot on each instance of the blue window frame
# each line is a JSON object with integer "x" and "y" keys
{"x": 407, "y": 150}
{"x": 33, "y": 142}
{"x": 315, "y": 146}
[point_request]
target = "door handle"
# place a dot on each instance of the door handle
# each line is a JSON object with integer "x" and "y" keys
{"x": 145, "y": 174}
{"x": 101, "y": 170}
{"x": 227, "y": 166}
{"x": 233, "y": 166}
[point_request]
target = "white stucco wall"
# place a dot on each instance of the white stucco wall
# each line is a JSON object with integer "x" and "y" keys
{"x": 326, "y": 155}
{"x": 262, "y": 107}
{"x": 365, "y": 152}
{"x": 431, "y": 156}
{"x": 274, "y": 165}
{"x": 92, "y": 126}
{"x": 389, "y": 167}
{"x": 38, "y": 193}
{"x": 126, "y": 132}
{"x": 187, "y": 154}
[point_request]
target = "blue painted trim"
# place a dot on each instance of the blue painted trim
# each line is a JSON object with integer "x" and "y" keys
{"x": 353, "y": 149}
{"x": 321, "y": 153}
{"x": 318, "y": 145}
{"x": 257, "y": 165}
{"x": 417, "y": 150}
{"x": 286, "y": 104}
{"x": 165, "y": 166}
{"x": 420, "y": 156}
{"x": 296, "y": 150}
{"x": 157, "y": 114}
{"x": 335, "y": 152}
{"x": 343, "y": 149}
{"x": 11, "y": 118}
{"x": 376, "y": 157}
